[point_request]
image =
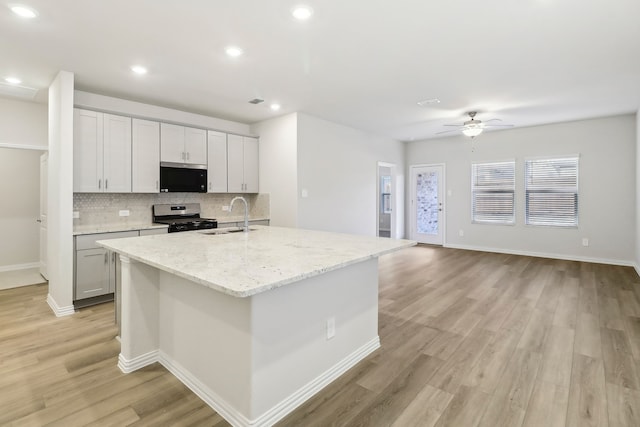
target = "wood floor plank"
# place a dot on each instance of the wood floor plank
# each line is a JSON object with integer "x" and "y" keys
{"x": 619, "y": 365}
{"x": 624, "y": 406}
{"x": 588, "y": 342}
{"x": 588, "y": 394}
{"x": 465, "y": 409}
{"x": 547, "y": 406}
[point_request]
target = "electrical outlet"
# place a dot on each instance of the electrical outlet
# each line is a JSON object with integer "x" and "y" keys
{"x": 124, "y": 212}
{"x": 76, "y": 214}
{"x": 225, "y": 208}
{"x": 461, "y": 233}
{"x": 304, "y": 193}
{"x": 331, "y": 327}
{"x": 585, "y": 241}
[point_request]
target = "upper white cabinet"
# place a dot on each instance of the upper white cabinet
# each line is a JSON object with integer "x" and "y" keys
{"x": 101, "y": 152}
{"x": 242, "y": 164}
{"x": 217, "y": 162}
{"x": 145, "y": 156}
{"x": 180, "y": 144}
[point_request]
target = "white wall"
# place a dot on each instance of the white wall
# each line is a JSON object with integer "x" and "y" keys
{"x": 153, "y": 112}
{"x": 23, "y": 124}
{"x": 20, "y": 195}
{"x": 637, "y": 254}
{"x": 337, "y": 165}
{"x": 278, "y": 154}
{"x": 606, "y": 188}
{"x": 60, "y": 195}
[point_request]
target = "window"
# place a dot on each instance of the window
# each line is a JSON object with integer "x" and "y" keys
{"x": 492, "y": 192}
{"x": 551, "y": 187}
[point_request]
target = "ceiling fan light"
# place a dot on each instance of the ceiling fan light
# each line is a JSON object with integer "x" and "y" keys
{"x": 472, "y": 131}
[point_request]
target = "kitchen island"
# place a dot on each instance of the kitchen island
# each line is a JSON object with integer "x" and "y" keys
{"x": 254, "y": 323}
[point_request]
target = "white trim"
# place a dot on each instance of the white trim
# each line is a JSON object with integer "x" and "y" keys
{"x": 15, "y": 267}
{"x": 24, "y": 146}
{"x": 57, "y": 310}
{"x": 283, "y": 408}
{"x": 637, "y": 268}
{"x": 546, "y": 255}
{"x": 128, "y": 366}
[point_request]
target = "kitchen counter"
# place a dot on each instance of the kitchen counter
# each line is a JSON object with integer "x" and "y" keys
{"x": 79, "y": 230}
{"x": 245, "y": 264}
{"x": 254, "y": 323}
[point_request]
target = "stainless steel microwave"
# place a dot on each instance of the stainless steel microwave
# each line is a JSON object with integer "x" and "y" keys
{"x": 181, "y": 178}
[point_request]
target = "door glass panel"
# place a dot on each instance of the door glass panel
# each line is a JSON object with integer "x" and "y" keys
{"x": 427, "y": 203}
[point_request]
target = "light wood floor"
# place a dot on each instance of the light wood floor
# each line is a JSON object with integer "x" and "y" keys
{"x": 468, "y": 339}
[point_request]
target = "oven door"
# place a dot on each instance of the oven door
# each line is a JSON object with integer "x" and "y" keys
{"x": 183, "y": 178}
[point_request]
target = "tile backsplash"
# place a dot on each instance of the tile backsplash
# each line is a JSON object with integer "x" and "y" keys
{"x": 104, "y": 208}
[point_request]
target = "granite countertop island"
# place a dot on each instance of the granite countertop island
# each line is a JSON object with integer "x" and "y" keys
{"x": 254, "y": 323}
{"x": 244, "y": 264}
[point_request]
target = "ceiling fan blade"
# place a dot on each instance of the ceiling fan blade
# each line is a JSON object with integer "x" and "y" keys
{"x": 447, "y": 131}
{"x": 498, "y": 126}
{"x": 460, "y": 125}
{"x": 491, "y": 120}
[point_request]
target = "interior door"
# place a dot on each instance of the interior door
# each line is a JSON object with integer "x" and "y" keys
{"x": 44, "y": 160}
{"x": 427, "y": 204}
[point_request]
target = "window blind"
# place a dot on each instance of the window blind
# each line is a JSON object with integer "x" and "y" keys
{"x": 551, "y": 187}
{"x": 493, "y": 192}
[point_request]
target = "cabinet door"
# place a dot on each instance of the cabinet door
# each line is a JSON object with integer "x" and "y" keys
{"x": 195, "y": 146}
{"x": 250, "y": 165}
{"x": 117, "y": 154}
{"x": 235, "y": 164}
{"x": 217, "y": 162}
{"x": 87, "y": 151}
{"x": 172, "y": 143}
{"x": 145, "y": 156}
{"x": 92, "y": 273}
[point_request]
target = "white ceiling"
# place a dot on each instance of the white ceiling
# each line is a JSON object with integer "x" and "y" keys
{"x": 362, "y": 63}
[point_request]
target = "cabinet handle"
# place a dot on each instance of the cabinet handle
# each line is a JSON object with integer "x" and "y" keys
{"x": 156, "y": 184}
{"x": 187, "y": 155}
{"x": 99, "y": 184}
{"x": 106, "y": 258}
{"x": 113, "y": 257}
{"x": 106, "y": 184}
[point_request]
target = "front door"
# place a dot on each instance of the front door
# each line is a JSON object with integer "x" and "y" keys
{"x": 427, "y": 204}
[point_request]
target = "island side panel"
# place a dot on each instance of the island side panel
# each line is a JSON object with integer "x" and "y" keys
{"x": 139, "y": 316}
{"x": 205, "y": 341}
{"x": 292, "y": 356}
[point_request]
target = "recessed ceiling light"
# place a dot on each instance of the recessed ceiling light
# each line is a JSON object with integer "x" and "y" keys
{"x": 13, "y": 80}
{"x": 23, "y": 11}
{"x": 302, "y": 12}
{"x": 233, "y": 51}
{"x": 275, "y": 107}
{"x": 139, "y": 69}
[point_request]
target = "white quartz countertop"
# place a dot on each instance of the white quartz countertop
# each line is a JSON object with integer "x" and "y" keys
{"x": 111, "y": 228}
{"x": 245, "y": 264}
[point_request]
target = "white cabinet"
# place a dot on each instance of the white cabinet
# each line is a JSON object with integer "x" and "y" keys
{"x": 180, "y": 144}
{"x": 101, "y": 152}
{"x": 242, "y": 164}
{"x": 145, "y": 156}
{"x": 96, "y": 269}
{"x": 217, "y": 162}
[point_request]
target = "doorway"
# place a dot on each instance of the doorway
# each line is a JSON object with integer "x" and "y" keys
{"x": 427, "y": 204}
{"x": 386, "y": 214}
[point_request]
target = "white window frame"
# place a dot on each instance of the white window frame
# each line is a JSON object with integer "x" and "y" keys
{"x": 558, "y": 188}
{"x": 477, "y": 190}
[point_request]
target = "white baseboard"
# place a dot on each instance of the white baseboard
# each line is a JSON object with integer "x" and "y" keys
{"x": 16, "y": 267}
{"x": 127, "y": 366}
{"x": 637, "y": 268}
{"x": 283, "y": 408}
{"x": 57, "y": 310}
{"x": 544, "y": 255}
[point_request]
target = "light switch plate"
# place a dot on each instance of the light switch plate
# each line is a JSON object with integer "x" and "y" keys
{"x": 76, "y": 214}
{"x": 124, "y": 213}
{"x": 225, "y": 208}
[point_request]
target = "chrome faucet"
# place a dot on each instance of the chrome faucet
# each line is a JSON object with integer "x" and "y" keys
{"x": 246, "y": 212}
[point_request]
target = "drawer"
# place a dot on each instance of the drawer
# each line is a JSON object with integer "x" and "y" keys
{"x": 153, "y": 231}
{"x": 88, "y": 241}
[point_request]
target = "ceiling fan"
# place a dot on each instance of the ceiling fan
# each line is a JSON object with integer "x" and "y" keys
{"x": 473, "y": 127}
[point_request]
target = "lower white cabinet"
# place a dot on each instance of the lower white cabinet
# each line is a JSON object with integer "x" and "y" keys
{"x": 96, "y": 269}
